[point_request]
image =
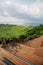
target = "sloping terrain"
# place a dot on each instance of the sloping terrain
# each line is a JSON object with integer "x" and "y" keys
{"x": 37, "y": 42}
{"x": 12, "y": 58}
{"x": 21, "y": 54}
{"x": 9, "y": 31}
{"x": 20, "y": 33}
{"x": 25, "y": 54}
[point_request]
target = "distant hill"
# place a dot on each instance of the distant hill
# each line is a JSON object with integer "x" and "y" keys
{"x": 9, "y": 31}
{"x": 20, "y": 32}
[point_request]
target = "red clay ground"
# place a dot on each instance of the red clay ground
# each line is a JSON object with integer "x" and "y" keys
{"x": 37, "y": 42}
{"x": 34, "y": 53}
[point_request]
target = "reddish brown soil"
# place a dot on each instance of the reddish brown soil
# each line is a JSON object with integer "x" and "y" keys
{"x": 37, "y": 51}
{"x": 31, "y": 57}
{"x": 11, "y": 57}
{"x": 34, "y": 53}
{"x": 37, "y": 42}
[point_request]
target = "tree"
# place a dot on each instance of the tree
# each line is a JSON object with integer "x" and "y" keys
{"x": 21, "y": 38}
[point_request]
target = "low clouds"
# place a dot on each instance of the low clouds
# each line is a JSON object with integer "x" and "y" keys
{"x": 21, "y": 12}
{"x": 11, "y": 20}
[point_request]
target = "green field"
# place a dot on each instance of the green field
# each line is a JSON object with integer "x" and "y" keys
{"x": 20, "y": 32}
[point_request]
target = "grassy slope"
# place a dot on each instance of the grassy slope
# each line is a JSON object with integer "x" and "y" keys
{"x": 9, "y": 31}
{"x": 12, "y": 30}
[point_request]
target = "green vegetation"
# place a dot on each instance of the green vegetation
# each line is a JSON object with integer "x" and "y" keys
{"x": 20, "y": 33}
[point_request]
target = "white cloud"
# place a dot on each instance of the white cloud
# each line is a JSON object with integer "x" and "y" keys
{"x": 6, "y": 3}
{"x": 21, "y": 8}
{"x": 34, "y": 10}
{"x": 6, "y": 13}
{"x": 11, "y": 20}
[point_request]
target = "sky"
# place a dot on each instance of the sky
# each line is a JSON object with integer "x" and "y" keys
{"x": 21, "y": 12}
